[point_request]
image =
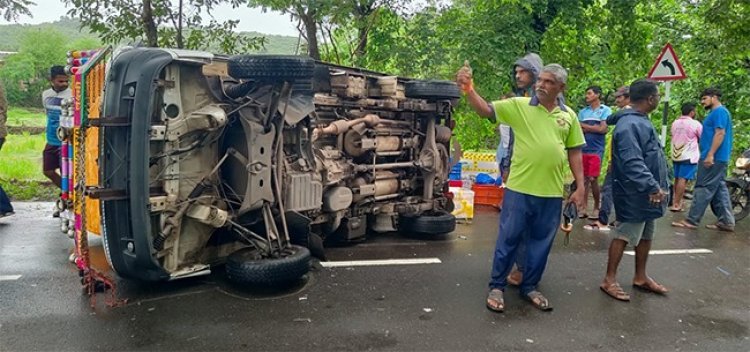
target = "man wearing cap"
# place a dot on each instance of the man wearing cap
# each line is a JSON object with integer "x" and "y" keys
{"x": 525, "y": 74}
{"x": 593, "y": 120}
{"x": 547, "y": 134}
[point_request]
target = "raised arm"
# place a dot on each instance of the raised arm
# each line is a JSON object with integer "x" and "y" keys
{"x": 465, "y": 82}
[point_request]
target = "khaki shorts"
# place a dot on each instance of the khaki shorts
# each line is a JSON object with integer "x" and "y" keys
{"x": 634, "y": 232}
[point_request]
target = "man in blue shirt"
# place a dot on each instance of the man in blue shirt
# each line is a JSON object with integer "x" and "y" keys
{"x": 593, "y": 120}
{"x": 715, "y": 150}
{"x": 52, "y": 99}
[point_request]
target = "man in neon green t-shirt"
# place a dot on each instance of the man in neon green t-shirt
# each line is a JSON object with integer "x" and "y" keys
{"x": 547, "y": 134}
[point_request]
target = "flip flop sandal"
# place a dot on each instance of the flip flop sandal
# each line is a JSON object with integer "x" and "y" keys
{"x": 496, "y": 296}
{"x": 651, "y": 286}
{"x": 593, "y": 227}
{"x": 539, "y": 301}
{"x": 511, "y": 280}
{"x": 615, "y": 291}
{"x": 683, "y": 225}
{"x": 720, "y": 227}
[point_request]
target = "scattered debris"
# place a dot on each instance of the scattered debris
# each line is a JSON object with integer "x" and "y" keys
{"x": 427, "y": 310}
{"x": 303, "y": 298}
{"x": 151, "y": 309}
{"x": 462, "y": 237}
{"x": 302, "y": 320}
{"x": 723, "y": 271}
{"x": 529, "y": 340}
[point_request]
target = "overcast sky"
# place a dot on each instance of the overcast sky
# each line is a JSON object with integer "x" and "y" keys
{"x": 250, "y": 19}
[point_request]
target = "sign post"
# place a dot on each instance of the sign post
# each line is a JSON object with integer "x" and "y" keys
{"x": 667, "y": 68}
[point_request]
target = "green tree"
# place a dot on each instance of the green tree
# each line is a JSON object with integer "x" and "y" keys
{"x": 11, "y": 9}
{"x": 25, "y": 74}
{"x": 309, "y": 15}
{"x": 162, "y": 23}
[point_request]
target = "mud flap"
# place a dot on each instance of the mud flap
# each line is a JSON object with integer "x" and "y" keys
{"x": 300, "y": 234}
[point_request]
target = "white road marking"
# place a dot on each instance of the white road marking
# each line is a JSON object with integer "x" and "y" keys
{"x": 675, "y": 251}
{"x": 9, "y": 277}
{"x": 411, "y": 261}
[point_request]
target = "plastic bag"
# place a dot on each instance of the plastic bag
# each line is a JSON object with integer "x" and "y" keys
{"x": 484, "y": 179}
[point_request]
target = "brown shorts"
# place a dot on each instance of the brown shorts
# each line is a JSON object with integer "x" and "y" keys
{"x": 51, "y": 158}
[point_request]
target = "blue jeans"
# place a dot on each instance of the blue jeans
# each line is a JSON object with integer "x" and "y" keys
{"x": 5, "y": 206}
{"x": 530, "y": 220}
{"x": 711, "y": 188}
{"x": 605, "y": 208}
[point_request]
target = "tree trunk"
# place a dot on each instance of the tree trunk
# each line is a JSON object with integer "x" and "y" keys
{"x": 180, "y": 44}
{"x": 362, "y": 19}
{"x": 311, "y": 31}
{"x": 362, "y": 32}
{"x": 149, "y": 26}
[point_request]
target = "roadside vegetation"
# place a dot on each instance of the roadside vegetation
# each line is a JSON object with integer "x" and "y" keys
{"x": 21, "y": 158}
{"x": 607, "y": 43}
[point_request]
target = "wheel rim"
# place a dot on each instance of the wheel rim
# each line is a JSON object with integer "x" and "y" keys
{"x": 739, "y": 199}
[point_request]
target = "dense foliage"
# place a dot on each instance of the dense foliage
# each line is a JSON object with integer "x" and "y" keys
{"x": 183, "y": 24}
{"x": 24, "y": 74}
{"x": 603, "y": 42}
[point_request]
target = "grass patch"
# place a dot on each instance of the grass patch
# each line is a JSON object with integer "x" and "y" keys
{"x": 35, "y": 191}
{"x": 21, "y": 157}
{"x": 21, "y": 168}
{"x": 26, "y": 117}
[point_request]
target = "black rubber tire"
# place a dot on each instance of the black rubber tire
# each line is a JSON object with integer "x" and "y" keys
{"x": 438, "y": 223}
{"x": 739, "y": 199}
{"x": 432, "y": 90}
{"x": 303, "y": 86}
{"x": 246, "y": 267}
{"x": 270, "y": 67}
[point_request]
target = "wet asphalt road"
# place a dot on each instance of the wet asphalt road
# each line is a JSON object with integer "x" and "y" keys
{"x": 431, "y": 307}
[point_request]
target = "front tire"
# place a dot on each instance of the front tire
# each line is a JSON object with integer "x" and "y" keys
{"x": 739, "y": 198}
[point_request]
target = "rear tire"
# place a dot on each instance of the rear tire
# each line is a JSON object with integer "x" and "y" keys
{"x": 271, "y": 67}
{"x": 437, "y": 223}
{"x": 739, "y": 198}
{"x": 247, "y": 266}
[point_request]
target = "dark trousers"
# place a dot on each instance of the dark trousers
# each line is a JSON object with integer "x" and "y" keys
{"x": 5, "y": 206}
{"x": 607, "y": 204}
{"x": 711, "y": 188}
{"x": 530, "y": 220}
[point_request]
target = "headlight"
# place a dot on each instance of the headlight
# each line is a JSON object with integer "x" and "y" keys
{"x": 742, "y": 163}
